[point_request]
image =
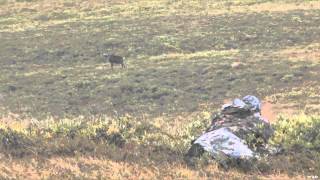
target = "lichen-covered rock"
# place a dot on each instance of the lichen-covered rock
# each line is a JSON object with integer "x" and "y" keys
{"x": 237, "y": 132}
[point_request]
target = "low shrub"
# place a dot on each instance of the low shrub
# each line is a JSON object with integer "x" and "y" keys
{"x": 301, "y": 132}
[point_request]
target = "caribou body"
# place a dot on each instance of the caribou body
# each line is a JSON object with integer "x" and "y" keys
{"x": 115, "y": 59}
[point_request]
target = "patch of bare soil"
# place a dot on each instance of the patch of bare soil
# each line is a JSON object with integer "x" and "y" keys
{"x": 272, "y": 111}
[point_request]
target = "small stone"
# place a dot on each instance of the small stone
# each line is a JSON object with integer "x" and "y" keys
{"x": 236, "y": 64}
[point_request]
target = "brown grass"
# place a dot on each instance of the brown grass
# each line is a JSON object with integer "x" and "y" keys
{"x": 184, "y": 57}
{"x": 95, "y": 168}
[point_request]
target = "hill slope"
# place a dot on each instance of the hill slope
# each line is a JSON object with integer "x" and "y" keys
{"x": 184, "y": 60}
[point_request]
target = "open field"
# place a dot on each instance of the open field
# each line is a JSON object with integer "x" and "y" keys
{"x": 184, "y": 58}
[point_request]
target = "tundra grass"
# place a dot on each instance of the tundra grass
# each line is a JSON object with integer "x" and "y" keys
{"x": 177, "y": 58}
{"x": 183, "y": 58}
{"x": 152, "y": 149}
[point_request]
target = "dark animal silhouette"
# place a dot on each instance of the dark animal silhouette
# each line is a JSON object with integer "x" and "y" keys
{"x": 115, "y": 59}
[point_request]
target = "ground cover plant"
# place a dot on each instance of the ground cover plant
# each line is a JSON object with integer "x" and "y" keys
{"x": 63, "y": 109}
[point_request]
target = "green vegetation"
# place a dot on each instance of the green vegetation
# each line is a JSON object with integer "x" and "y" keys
{"x": 147, "y": 143}
{"x": 298, "y": 132}
{"x": 177, "y": 58}
{"x": 62, "y": 107}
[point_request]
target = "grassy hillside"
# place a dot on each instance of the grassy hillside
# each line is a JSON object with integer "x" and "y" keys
{"x": 179, "y": 54}
{"x": 184, "y": 58}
